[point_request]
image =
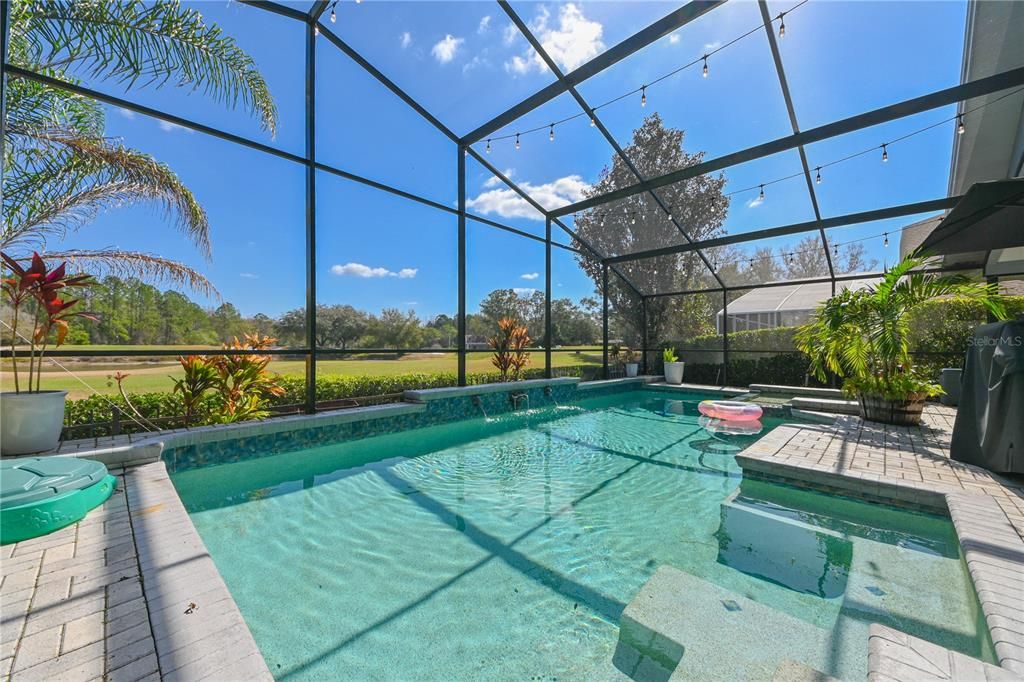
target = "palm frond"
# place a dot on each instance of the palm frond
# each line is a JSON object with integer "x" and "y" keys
{"x": 135, "y": 42}
{"x": 139, "y": 265}
{"x": 60, "y": 180}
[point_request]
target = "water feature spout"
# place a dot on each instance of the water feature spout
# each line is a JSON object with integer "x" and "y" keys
{"x": 517, "y": 398}
{"x": 477, "y": 402}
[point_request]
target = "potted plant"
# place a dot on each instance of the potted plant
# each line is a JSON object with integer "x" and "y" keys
{"x": 673, "y": 366}
{"x": 31, "y": 418}
{"x": 863, "y": 337}
{"x": 630, "y": 362}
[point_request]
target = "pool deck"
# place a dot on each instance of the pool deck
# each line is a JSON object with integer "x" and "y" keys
{"x": 130, "y": 592}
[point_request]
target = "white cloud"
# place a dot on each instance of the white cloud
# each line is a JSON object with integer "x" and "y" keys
{"x": 755, "y": 202}
{"x": 127, "y": 113}
{"x": 476, "y": 62}
{"x": 674, "y": 39}
{"x": 711, "y": 47}
{"x": 405, "y": 40}
{"x": 509, "y": 35}
{"x": 248, "y": 275}
{"x": 524, "y": 291}
{"x": 551, "y": 195}
{"x": 495, "y": 181}
{"x": 169, "y": 127}
{"x": 410, "y": 302}
{"x": 573, "y": 42}
{"x": 365, "y": 271}
{"x": 529, "y": 275}
{"x": 445, "y": 49}
{"x": 485, "y": 24}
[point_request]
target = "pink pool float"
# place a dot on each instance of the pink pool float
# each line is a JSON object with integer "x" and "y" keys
{"x": 730, "y": 410}
{"x": 719, "y": 427}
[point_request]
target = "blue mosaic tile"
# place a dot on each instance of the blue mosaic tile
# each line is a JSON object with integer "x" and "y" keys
{"x": 440, "y": 411}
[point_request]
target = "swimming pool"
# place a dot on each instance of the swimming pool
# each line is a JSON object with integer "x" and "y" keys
{"x": 508, "y": 549}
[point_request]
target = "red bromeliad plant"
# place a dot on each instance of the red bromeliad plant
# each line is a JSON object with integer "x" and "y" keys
{"x": 39, "y": 289}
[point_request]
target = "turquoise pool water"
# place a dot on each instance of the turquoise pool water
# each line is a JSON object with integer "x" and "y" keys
{"x": 508, "y": 548}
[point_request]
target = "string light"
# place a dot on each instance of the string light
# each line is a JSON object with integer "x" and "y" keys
{"x": 488, "y": 150}
{"x": 791, "y": 258}
{"x": 551, "y": 133}
{"x": 761, "y": 195}
{"x": 334, "y": 16}
{"x": 817, "y": 177}
{"x": 517, "y": 141}
{"x": 835, "y": 250}
{"x": 782, "y": 26}
{"x": 632, "y": 218}
{"x": 960, "y": 127}
{"x": 593, "y": 122}
{"x": 316, "y": 30}
{"x": 643, "y": 95}
{"x": 705, "y": 66}
{"x": 886, "y": 242}
{"x": 885, "y": 152}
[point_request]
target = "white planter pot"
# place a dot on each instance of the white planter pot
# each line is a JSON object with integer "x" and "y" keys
{"x": 674, "y": 372}
{"x": 632, "y": 369}
{"x": 30, "y": 422}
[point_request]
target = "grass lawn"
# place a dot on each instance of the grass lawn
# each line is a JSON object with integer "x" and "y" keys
{"x": 147, "y": 377}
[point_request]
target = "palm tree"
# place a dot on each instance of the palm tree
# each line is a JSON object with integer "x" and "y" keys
{"x": 60, "y": 170}
{"x": 864, "y": 336}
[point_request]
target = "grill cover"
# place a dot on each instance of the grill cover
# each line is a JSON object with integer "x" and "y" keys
{"x": 989, "y": 428}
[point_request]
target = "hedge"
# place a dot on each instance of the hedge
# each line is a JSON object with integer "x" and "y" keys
{"x": 165, "y": 407}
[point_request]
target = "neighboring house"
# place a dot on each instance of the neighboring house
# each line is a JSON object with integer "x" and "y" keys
{"x": 782, "y": 306}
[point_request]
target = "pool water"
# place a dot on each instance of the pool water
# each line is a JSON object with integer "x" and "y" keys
{"x": 508, "y": 548}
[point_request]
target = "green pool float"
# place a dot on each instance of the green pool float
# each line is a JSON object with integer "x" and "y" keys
{"x": 39, "y": 495}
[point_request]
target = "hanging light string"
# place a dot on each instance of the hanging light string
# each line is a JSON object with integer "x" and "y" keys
{"x": 642, "y": 90}
{"x": 759, "y": 187}
{"x": 834, "y": 246}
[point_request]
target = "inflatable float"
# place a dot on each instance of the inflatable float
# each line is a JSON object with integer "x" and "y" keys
{"x": 730, "y": 410}
{"x": 39, "y": 495}
{"x": 720, "y": 427}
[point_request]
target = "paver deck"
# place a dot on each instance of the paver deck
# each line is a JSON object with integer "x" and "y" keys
{"x": 128, "y": 593}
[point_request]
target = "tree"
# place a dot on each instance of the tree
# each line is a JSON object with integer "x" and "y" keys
{"x": 637, "y": 223}
{"x": 60, "y": 170}
{"x": 339, "y": 325}
{"x": 227, "y": 322}
{"x": 395, "y": 329}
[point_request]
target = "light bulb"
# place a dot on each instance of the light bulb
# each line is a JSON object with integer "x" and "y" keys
{"x": 886, "y": 241}
{"x": 632, "y": 218}
{"x": 488, "y": 150}
{"x": 960, "y": 127}
{"x": 517, "y": 141}
{"x": 643, "y": 96}
{"x": 835, "y": 251}
{"x": 316, "y": 30}
{"x": 761, "y": 195}
{"x": 817, "y": 178}
{"x": 782, "y": 27}
{"x": 359, "y": 2}
{"x": 885, "y": 153}
{"x": 334, "y": 17}
{"x": 551, "y": 133}
{"x": 705, "y": 66}
{"x": 593, "y": 122}
{"x": 791, "y": 259}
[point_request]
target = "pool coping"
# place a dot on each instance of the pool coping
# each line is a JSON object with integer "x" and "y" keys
{"x": 991, "y": 546}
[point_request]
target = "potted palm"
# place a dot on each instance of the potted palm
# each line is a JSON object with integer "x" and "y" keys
{"x": 31, "y": 418}
{"x": 863, "y": 337}
{"x": 673, "y": 366}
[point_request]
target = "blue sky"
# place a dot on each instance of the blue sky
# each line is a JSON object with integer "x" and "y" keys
{"x": 461, "y": 61}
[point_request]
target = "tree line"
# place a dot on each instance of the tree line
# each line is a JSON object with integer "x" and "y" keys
{"x": 129, "y": 311}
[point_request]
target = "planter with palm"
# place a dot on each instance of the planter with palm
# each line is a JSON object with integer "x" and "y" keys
{"x": 863, "y": 337}
{"x": 60, "y": 170}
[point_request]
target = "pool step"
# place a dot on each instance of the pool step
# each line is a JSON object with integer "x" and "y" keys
{"x": 805, "y": 391}
{"x": 679, "y": 627}
{"x": 826, "y": 405}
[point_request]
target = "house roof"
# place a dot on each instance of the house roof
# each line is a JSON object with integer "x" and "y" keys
{"x": 792, "y": 297}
